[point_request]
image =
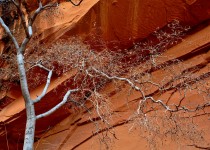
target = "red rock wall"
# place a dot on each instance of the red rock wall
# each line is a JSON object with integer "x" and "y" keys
{"x": 118, "y": 21}
{"x": 76, "y": 131}
{"x": 124, "y": 21}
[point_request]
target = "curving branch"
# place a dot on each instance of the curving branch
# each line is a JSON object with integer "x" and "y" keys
{"x": 65, "y": 98}
{"x": 27, "y": 21}
{"x": 9, "y": 33}
{"x": 121, "y": 79}
{"x": 45, "y": 88}
{"x": 40, "y": 9}
{"x": 22, "y": 15}
{"x": 146, "y": 98}
{"x": 27, "y": 24}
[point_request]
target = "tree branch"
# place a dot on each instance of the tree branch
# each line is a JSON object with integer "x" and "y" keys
{"x": 22, "y": 15}
{"x": 9, "y": 33}
{"x": 39, "y": 9}
{"x": 145, "y": 98}
{"x": 65, "y": 98}
{"x": 121, "y": 79}
{"x": 45, "y": 88}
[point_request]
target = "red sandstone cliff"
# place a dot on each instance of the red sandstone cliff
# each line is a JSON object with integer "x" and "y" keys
{"x": 119, "y": 23}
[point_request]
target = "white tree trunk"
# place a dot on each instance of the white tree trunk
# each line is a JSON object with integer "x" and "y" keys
{"x": 29, "y": 103}
{"x": 30, "y": 111}
{"x": 30, "y": 127}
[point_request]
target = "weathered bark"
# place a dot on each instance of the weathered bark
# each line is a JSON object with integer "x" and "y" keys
{"x": 22, "y": 76}
{"x": 30, "y": 112}
{"x": 31, "y": 117}
{"x": 30, "y": 127}
{"x": 29, "y": 103}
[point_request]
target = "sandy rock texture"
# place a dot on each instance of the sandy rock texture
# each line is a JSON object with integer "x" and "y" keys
{"x": 118, "y": 23}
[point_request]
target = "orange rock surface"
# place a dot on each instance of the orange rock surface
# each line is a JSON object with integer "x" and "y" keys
{"x": 74, "y": 133}
{"x": 118, "y": 23}
{"x": 122, "y": 21}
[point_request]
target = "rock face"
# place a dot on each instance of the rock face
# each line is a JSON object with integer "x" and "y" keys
{"x": 122, "y": 22}
{"x": 118, "y": 23}
{"x": 74, "y": 132}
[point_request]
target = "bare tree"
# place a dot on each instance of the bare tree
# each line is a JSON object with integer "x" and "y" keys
{"x": 94, "y": 69}
{"x": 27, "y": 20}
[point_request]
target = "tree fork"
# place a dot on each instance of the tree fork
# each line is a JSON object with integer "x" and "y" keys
{"x": 29, "y": 103}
